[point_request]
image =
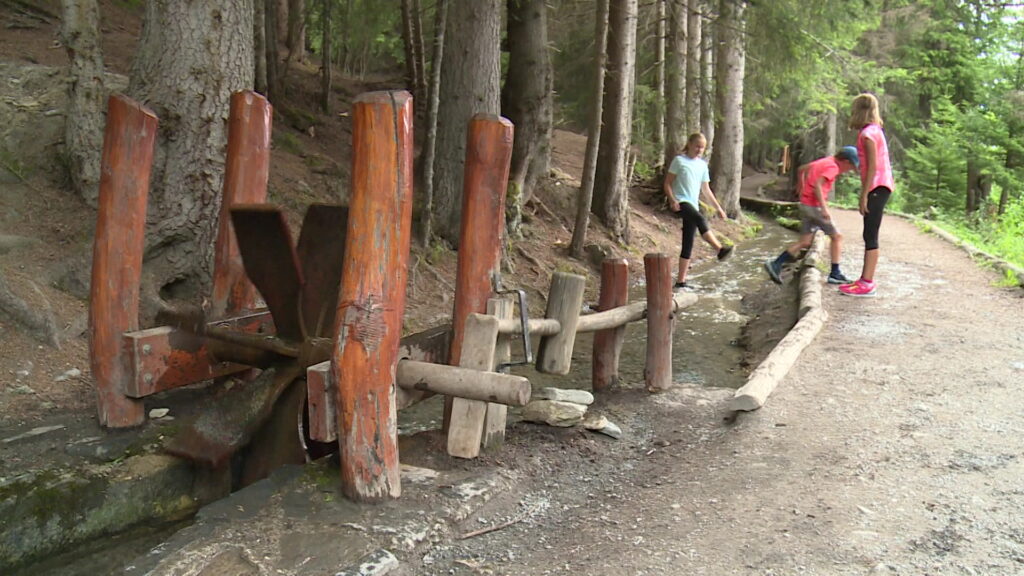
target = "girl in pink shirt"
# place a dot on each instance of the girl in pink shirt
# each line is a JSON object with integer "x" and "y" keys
{"x": 876, "y": 185}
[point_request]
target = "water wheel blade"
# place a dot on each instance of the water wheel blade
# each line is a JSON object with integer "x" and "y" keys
{"x": 271, "y": 263}
{"x": 321, "y": 254}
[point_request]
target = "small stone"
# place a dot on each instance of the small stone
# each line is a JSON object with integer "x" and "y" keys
{"x": 68, "y": 375}
{"x": 156, "y": 413}
{"x": 564, "y": 395}
{"x": 553, "y": 413}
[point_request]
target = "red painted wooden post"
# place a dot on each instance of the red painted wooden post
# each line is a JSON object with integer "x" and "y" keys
{"x": 117, "y": 254}
{"x": 485, "y": 181}
{"x": 246, "y": 171}
{"x": 371, "y": 301}
{"x": 608, "y": 343}
{"x": 658, "y": 370}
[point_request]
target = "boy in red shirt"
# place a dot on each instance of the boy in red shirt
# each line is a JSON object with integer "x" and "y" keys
{"x": 815, "y": 181}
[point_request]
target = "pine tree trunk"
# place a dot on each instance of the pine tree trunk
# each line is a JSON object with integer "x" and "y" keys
{"x": 831, "y": 133}
{"x": 296, "y": 30}
{"x": 430, "y": 147}
{"x": 611, "y": 190}
{"x": 676, "y": 97}
{"x": 411, "y": 73}
{"x": 326, "y": 72}
{"x": 585, "y": 196}
{"x": 728, "y": 165}
{"x": 259, "y": 43}
{"x": 83, "y": 128}
{"x": 272, "y": 55}
{"x": 421, "y": 59}
{"x": 191, "y": 57}
{"x": 659, "y": 76}
{"x": 472, "y": 86}
{"x": 693, "y": 47}
{"x": 527, "y": 102}
{"x": 707, "y": 78}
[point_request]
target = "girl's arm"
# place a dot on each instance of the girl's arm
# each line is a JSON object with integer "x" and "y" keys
{"x": 667, "y": 187}
{"x": 706, "y": 189}
{"x": 868, "y": 176}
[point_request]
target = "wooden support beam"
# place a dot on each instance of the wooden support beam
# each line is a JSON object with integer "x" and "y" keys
{"x": 608, "y": 342}
{"x": 658, "y": 368}
{"x": 554, "y": 356}
{"x": 371, "y": 301}
{"x": 465, "y": 433}
{"x": 485, "y": 180}
{"x": 117, "y": 254}
{"x": 246, "y": 171}
{"x": 497, "y": 412}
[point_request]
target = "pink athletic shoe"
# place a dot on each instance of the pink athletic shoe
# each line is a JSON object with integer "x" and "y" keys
{"x": 861, "y": 287}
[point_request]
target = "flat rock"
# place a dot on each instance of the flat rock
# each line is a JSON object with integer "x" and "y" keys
{"x": 554, "y": 413}
{"x": 564, "y": 395}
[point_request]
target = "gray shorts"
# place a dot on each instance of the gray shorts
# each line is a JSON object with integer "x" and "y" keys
{"x": 811, "y": 220}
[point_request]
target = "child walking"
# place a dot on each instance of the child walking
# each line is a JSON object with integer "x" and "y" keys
{"x": 687, "y": 177}
{"x": 815, "y": 181}
{"x": 876, "y": 185}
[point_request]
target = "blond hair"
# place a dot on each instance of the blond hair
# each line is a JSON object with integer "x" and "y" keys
{"x": 864, "y": 111}
{"x": 691, "y": 139}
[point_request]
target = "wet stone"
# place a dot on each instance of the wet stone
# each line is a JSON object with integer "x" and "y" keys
{"x": 101, "y": 449}
{"x": 232, "y": 562}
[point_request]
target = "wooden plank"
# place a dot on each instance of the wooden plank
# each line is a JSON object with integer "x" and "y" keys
{"x": 465, "y": 431}
{"x": 371, "y": 302}
{"x": 246, "y": 171}
{"x": 271, "y": 262}
{"x": 608, "y": 342}
{"x": 658, "y": 367}
{"x": 496, "y": 417}
{"x": 163, "y": 358}
{"x": 117, "y": 254}
{"x": 554, "y": 356}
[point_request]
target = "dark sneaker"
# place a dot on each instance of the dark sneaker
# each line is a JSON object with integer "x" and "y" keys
{"x": 838, "y": 278}
{"x": 684, "y": 286}
{"x": 724, "y": 252}
{"x": 774, "y": 271}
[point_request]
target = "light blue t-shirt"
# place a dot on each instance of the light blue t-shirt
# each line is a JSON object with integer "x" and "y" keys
{"x": 690, "y": 173}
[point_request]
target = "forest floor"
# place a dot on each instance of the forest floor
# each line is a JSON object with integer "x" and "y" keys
{"x": 893, "y": 446}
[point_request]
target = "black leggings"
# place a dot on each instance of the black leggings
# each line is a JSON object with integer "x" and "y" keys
{"x": 877, "y": 199}
{"x": 692, "y": 221}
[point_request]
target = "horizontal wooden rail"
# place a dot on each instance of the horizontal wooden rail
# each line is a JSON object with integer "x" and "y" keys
{"x": 597, "y": 321}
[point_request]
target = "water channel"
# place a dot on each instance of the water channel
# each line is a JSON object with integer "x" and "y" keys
{"x": 705, "y": 352}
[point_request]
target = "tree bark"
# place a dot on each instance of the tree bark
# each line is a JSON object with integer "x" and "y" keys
{"x": 728, "y": 165}
{"x": 412, "y": 72}
{"x": 429, "y": 151}
{"x": 326, "y": 77}
{"x": 296, "y": 31}
{"x": 659, "y": 75}
{"x": 191, "y": 57}
{"x": 471, "y": 87}
{"x": 526, "y": 101}
{"x": 611, "y": 190}
{"x": 693, "y": 53}
{"x": 674, "y": 113}
{"x": 83, "y": 127}
{"x": 421, "y": 58}
{"x": 707, "y": 75}
{"x": 585, "y": 195}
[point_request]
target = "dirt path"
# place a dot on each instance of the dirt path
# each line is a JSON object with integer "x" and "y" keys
{"x": 892, "y": 447}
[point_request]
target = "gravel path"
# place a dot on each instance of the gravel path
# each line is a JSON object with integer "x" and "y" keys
{"x": 894, "y": 446}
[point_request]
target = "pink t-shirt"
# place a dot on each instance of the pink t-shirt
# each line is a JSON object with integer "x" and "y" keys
{"x": 883, "y": 170}
{"x": 826, "y": 168}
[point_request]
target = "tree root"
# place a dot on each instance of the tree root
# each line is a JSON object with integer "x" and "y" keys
{"x": 40, "y": 324}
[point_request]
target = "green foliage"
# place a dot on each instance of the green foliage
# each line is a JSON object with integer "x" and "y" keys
{"x": 366, "y": 38}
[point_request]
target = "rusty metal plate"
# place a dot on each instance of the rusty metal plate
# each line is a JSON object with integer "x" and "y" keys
{"x": 271, "y": 262}
{"x": 321, "y": 253}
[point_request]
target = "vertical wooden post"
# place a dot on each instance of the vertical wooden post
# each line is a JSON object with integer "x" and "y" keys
{"x": 485, "y": 180}
{"x": 371, "y": 301}
{"x": 658, "y": 370}
{"x": 565, "y": 298}
{"x": 497, "y": 414}
{"x": 246, "y": 170}
{"x": 117, "y": 254}
{"x": 608, "y": 343}
{"x": 465, "y": 435}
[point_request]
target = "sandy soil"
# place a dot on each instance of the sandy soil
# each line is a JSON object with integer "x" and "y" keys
{"x": 892, "y": 447}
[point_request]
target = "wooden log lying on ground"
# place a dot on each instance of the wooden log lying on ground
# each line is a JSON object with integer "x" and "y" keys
{"x": 599, "y": 320}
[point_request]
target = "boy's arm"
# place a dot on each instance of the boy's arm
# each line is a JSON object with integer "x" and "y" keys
{"x": 801, "y": 175}
{"x": 706, "y": 189}
{"x": 820, "y": 196}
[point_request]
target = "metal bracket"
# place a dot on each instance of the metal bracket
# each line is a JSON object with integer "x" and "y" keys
{"x": 524, "y": 319}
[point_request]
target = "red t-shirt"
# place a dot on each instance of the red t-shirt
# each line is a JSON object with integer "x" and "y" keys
{"x": 825, "y": 168}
